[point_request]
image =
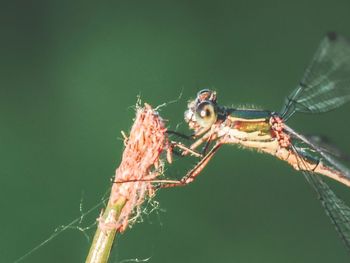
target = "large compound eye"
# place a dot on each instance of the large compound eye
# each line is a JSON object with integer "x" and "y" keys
{"x": 206, "y": 114}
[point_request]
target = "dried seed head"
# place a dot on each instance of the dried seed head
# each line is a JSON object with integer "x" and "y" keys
{"x": 140, "y": 161}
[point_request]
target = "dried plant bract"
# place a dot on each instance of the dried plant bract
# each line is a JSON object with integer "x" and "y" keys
{"x": 141, "y": 163}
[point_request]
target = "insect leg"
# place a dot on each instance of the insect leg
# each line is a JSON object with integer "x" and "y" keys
{"x": 181, "y": 135}
{"x": 184, "y": 148}
{"x": 194, "y": 172}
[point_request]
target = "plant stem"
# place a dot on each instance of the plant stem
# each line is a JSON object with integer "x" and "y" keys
{"x": 103, "y": 239}
{"x": 133, "y": 180}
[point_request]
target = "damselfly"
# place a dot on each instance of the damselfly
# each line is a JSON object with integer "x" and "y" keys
{"x": 325, "y": 86}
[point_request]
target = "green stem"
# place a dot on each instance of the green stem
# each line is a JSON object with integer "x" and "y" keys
{"x": 103, "y": 239}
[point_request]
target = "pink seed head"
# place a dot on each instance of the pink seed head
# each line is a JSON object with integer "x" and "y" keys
{"x": 141, "y": 161}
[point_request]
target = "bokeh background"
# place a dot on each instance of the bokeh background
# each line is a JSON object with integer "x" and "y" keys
{"x": 70, "y": 75}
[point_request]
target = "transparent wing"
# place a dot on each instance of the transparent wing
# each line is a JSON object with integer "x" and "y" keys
{"x": 335, "y": 208}
{"x": 309, "y": 149}
{"x": 327, "y": 146}
{"x": 326, "y": 83}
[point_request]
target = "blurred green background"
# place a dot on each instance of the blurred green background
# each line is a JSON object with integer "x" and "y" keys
{"x": 70, "y": 75}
